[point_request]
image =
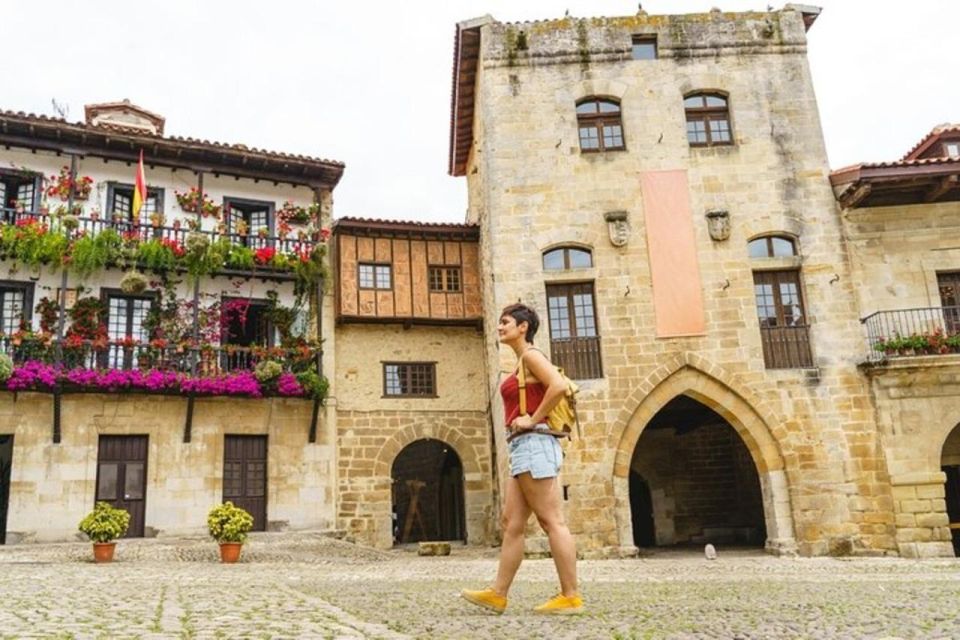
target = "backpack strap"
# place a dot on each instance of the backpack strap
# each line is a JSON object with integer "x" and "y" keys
{"x": 522, "y": 383}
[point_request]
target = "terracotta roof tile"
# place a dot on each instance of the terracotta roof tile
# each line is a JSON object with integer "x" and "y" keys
{"x": 928, "y": 139}
{"x": 140, "y": 133}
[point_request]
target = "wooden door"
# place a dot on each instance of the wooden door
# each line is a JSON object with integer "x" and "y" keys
{"x": 6, "y": 463}
{"x": 122, "y": 477}
{"x": 245, "y": 476}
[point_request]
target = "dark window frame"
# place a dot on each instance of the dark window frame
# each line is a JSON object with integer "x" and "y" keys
{"x": 768, "y": 239}
{"x": 108, "y": 293}
{"x": 786, "y": 345}
{"x": 113, "y": 187}
{"x": 640, "y": 39}
{"x": 260, "y": 303}
{"x": 22, "y": 176}
{"x": 706, "y": 115}
{"x": 252, "y": 238}
{"x": 28, "y": 289}
{"x": 948, "y": 290}
{"x": 598, "y": 121}
{"x": 566, "y": 257}
{"x": 375, "y": 265}
{"x": 405, "y": 372}
{"x": 591, "y": 362}
{"x": 445, "y": 279}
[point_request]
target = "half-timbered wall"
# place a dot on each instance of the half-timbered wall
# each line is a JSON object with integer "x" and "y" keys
{"x": 408, "y": 296}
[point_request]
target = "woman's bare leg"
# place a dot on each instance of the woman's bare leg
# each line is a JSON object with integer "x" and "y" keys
{"x": 516, "y": 511}
{"x": 543, "y": 497}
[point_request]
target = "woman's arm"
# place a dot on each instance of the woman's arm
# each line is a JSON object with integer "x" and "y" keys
{"x": 549, "y": 377}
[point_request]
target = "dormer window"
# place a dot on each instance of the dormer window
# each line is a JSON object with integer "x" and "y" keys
{"x": 951, "y": 149}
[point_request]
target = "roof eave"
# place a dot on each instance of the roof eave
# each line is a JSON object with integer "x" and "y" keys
{"x": 461, "y": 107}
{"x": 24, "y": 131}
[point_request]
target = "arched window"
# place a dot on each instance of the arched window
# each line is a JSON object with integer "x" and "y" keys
{"x": 567, "y": 258}
{"x": 598, "y": 120}
{"x": 708, "y": 119}
{"x": 772, "y": 247}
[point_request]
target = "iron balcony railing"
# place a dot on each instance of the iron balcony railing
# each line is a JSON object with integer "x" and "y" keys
{"x": 126, "y": 355}
{"x": 578, "y": 357}
{"x": 295, "y": 243}
{"x": 908, "y": 332}
{"x": 786, "y": 347}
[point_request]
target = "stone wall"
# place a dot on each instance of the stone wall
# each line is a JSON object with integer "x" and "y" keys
{"x": 918, "y": 407}
{"x": 372, "y": 429}
{"x": 810, "y": 433}
{"x": 53, "y": 485}
{"x": 896, "y": 252}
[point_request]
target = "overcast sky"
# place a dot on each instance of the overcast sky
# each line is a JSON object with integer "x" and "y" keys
{"x": 368, "y": 83}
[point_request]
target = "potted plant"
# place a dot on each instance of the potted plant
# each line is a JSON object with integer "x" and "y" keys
{"x": 103, "y": 525}
{"x": 229, "y": 526}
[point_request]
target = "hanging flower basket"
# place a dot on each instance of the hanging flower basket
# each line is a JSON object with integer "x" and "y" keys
{"x": 191, "y": 202}
{"x": 294, "y": 214}
{"x": 133, "y": 282}
{"x": 60, "y": 186}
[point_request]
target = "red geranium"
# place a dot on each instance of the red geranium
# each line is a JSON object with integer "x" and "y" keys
{"x": 264, "y": 255}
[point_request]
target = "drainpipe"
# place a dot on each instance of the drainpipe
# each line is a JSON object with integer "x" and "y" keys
{"x": 62, "y": 301}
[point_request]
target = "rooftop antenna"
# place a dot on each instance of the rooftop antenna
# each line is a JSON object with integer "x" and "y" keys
{"x": 62, "y": 110}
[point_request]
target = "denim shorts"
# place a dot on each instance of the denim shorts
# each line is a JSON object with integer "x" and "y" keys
{"x": 537, "y": 453}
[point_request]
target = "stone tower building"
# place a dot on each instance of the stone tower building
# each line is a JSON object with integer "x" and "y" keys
{"x": 657, "y": 187}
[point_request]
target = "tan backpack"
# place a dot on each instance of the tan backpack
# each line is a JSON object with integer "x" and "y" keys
{"x": 563, "y": 417}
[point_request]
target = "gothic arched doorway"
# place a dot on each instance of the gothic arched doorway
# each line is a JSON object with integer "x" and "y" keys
{"x": 701, "y": 480}
{"x": 950, "y": 463}
{"x": 428, "y": 502}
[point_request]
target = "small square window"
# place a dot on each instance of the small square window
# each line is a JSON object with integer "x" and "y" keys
{"x": 409, "y": 379}
{"x": 644, "y": 47}
{"x": 444, "y": 279}
{"x": 374, "y": 276}
{"x": 952, "y": 149}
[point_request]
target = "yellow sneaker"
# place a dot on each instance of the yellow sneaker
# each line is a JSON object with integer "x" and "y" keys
{"x": 487, "y": 598}
{"x": 561, "y": 605}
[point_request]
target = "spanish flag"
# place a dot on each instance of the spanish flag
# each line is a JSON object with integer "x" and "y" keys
{"x": 139, "y": 190}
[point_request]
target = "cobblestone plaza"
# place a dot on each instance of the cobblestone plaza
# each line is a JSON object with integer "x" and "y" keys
{"x": 305, "y": 586}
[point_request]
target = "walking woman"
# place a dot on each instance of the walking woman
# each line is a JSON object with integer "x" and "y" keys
{"x": 535, "y": 458}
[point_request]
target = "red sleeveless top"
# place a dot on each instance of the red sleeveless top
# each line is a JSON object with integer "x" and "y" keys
{"x": 510, "y": 392}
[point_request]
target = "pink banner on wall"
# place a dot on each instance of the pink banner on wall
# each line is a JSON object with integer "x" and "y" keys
{"x": 677, "y": 290}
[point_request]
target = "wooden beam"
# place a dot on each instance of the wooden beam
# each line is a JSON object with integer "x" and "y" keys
{"x": 855, "y": 194}
{"x": 941, "y": 188}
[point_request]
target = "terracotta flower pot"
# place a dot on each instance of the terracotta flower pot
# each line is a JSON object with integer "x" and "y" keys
{"x": 230, "y": 552}
{"x": 103, "y": 551}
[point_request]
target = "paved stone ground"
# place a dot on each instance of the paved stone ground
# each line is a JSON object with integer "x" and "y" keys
{"x": 308, "y": 586}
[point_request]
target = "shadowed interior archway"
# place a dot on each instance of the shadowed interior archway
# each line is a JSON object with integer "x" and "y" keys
{"x": 428, "y": 500}
{"x": 729, "y": 402}
{"x": 950, "y": 465}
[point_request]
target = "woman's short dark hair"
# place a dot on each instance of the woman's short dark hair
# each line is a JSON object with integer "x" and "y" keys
{"x": 523, "y": 313}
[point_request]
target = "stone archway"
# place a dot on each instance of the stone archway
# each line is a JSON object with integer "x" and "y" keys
{"x": 376, "y": 487}
{"x": 950, "y": 465}
{"x": 739, "y": 409}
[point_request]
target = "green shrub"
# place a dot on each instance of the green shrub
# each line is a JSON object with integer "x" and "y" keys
{"x": 105, "y": 523}
{"x": 6, "y": 367}
{"x": 156, "y": 256}
{"x": 267, "y": 370}
{"x": 314, "y": 384}
{"x": 93, "y": 253}
{"x": 228, "y": 523}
